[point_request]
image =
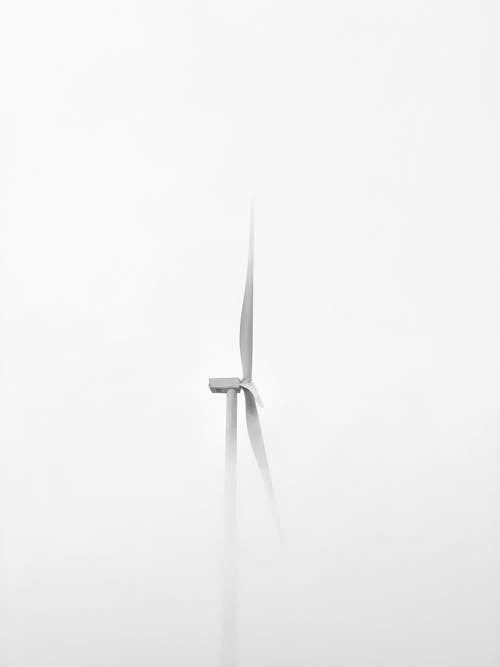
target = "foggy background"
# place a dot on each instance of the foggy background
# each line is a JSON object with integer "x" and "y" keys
{"x": 133, "y": 136}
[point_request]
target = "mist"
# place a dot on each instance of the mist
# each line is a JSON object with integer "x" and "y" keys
{"x": 133, "y": 138}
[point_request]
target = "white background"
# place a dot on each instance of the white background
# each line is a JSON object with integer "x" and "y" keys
{"x": 133, "y": 136}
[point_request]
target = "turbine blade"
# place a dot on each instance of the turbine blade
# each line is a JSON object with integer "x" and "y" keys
{"x": 259, "y": 450}
{"x": 246, "y": 322}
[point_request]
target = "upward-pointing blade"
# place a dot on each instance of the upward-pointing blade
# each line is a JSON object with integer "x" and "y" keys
{"x": 255, "y": 433}
{"x": 246, "y": 322}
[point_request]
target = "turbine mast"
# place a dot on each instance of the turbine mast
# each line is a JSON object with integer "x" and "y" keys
{"x": 229, "y": 639}
{"x": 230, "y": 599}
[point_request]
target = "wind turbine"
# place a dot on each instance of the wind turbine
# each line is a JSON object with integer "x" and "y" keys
{"x": 232, "y": 387}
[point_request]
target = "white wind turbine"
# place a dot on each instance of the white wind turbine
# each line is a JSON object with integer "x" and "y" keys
{"x": 231, "y": 387}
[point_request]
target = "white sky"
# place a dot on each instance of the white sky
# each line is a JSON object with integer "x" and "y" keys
{"x": 133, "y": 136}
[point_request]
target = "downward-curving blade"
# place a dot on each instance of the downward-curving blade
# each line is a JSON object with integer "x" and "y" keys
{"x": 246, "y": 322}
{"x": 255, "y": 433}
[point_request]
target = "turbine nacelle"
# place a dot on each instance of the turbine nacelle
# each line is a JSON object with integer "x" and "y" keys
{"x": 223, "y": 385}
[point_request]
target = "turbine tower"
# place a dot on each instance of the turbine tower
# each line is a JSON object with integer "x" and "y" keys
{"x": 232, "y": 387}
